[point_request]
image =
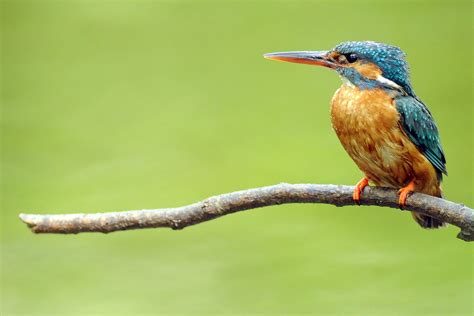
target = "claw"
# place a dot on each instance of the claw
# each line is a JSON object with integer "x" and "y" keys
{"x": 405, "y": 193}
{"x": 359, "y": 187}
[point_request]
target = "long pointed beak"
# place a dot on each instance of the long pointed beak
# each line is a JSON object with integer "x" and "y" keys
{"x": 318, "y": 58}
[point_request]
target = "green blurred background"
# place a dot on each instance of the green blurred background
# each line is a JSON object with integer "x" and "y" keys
{"x": 118, "y": 105}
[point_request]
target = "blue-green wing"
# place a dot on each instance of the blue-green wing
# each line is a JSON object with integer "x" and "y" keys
{"x": 418, "y": 124}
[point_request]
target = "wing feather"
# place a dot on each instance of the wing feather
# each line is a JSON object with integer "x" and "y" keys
{"x": 417, "y": 122}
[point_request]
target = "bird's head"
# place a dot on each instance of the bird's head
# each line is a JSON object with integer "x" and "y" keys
{"x": 364, "y": 64}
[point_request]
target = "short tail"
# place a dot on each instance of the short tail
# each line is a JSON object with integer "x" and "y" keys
{"x": 426, "y": 221}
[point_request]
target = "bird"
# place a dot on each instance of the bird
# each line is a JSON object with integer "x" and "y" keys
{"x": 382, "y": 124}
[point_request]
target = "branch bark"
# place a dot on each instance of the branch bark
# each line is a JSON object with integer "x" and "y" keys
{"x": 220, "y": 205}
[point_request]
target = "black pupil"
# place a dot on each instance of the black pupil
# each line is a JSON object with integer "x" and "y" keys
{"x": 351, "y": 57}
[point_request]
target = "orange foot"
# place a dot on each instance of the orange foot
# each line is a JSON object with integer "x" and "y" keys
{"x": 405, "y": 192}
{"x": 358, "y": 189}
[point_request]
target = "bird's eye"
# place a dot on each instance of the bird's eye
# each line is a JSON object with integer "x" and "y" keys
{"x": 351, "y": 57}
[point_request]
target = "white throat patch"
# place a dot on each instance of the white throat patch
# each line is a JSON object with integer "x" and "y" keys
{"x": 346, "y": 81}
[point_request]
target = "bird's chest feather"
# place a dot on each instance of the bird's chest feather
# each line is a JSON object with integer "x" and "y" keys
{"x": 366, "y": 122}
{"x": 363, "y": 112}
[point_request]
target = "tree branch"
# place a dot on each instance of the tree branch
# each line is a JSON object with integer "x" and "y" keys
{"x": 220, "y": 205}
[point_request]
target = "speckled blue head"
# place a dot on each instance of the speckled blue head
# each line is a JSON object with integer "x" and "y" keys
{"x": 366, "y": 64}
{"x": 390, "y": 59}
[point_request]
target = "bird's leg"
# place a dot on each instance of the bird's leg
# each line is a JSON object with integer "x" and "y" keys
{"x": 359, "y": 187}
{"x": 405, "y": 192}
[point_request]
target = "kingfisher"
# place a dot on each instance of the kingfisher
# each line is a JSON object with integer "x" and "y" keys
{"x": 381, "y": 123}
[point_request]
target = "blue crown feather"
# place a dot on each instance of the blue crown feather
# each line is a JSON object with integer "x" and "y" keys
{"x": 390, "y": 59}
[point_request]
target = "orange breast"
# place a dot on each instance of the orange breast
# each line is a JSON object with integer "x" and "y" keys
{"x": 367, "y": 124}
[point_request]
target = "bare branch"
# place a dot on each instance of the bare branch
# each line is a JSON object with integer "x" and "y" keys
{"x": 220, "y": 205}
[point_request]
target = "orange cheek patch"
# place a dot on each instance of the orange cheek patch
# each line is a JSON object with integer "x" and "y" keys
{"x": 368, "y": 70}
{"x": 333, "y": 56}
